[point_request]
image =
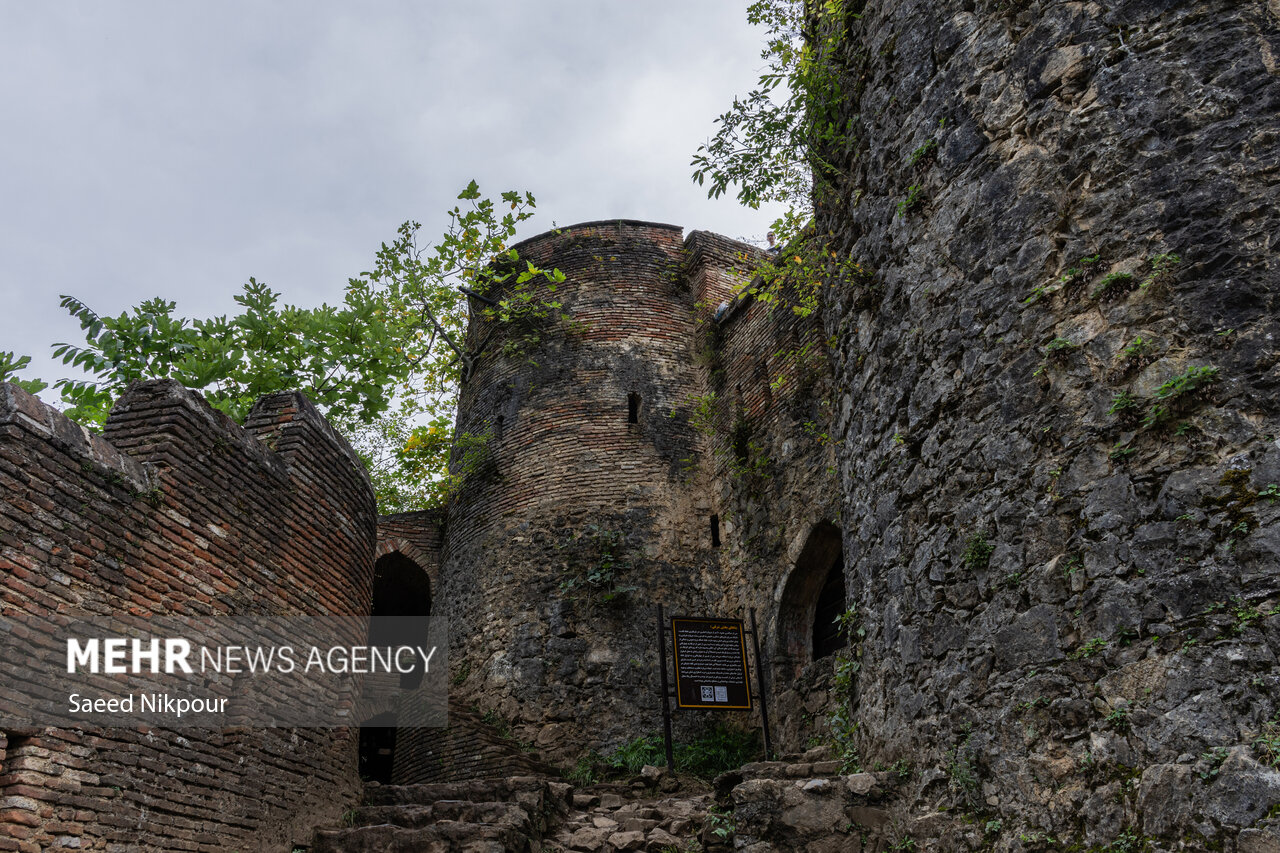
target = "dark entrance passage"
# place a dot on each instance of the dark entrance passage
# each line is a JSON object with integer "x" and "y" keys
{"x": 378, "y": 748}
{"x": 401, "y": 588}
{"x": 828, "y": 638}
{"x": 812, "y": 599}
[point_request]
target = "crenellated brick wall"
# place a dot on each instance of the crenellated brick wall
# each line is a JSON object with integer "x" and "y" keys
{"x": 177, "y": 517}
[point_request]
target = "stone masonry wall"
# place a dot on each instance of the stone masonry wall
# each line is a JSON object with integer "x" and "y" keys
{"x": 1069, "y": 566}
{"x": 768, "y": 460}
{"x": 575, "y": 521}
{"x": 176, "y": 516}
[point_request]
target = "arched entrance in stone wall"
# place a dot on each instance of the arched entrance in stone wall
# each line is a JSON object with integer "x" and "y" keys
{"x": 813, "y": 596}
{"x": 401, "y": 588}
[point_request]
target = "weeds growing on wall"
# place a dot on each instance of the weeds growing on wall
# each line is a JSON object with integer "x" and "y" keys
{"x": 1176, "y": 395}
{"x": 1267, "y": 743}
{"x": 977, "y": 552}
{"x": 1113, "y": 285}
{"x": 842, "y": 726}
{"x": 731, "y": 434}
{"x": 772, "y": 145}
{"x": 597, "y": 561}
{"x": 963, "y": 775}
{"x": 1161, "y": 270}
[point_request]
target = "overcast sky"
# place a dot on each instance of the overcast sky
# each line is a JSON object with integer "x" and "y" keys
{"x": 176, "y": 148}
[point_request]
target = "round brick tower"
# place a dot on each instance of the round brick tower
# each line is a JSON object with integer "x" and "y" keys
{"x": 579, "y": 513}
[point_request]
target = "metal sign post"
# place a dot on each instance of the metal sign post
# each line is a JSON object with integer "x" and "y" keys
{"x": 666, "y": 692}
{"x": 711, "y": 670}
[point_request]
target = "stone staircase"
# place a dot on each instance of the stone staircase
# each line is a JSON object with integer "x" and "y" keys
{"x": 801, "y": 803}
{"x": 804, "y": 803}
{"x": 481, "y": 816}
{"x": 602, "y": 818}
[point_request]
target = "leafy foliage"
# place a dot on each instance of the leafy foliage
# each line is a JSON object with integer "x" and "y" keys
{"x": 597, "y": 560}
{"x": 914, "y": 200}
{"x": 449, "y": 303}
{"x": 843, "y": 731}
{"x": 1268, "y": 743}
{"x": 768, "y": 143}
{"x": 1163, "y": 268}
{"x": 977, "y": 552}
{"x": 1136, "y": 349}
{"x": 1059, "y": 348}
{"x": 11, "y": 364}
{"x": 385, "y": 366}
{"x": 1122, "y": 402}
{"x": 1113, "y": 284}
{"x": 1189, "y": 381}
{"x": 964, "y": 777}
{"x": 1091, "y": 647}
{"x": 1119, "y": 720}
{"x": 344, "y": 358}
{"x": 771, "y": 143}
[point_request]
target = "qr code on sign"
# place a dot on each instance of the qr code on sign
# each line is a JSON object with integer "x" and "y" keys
{"x": 708, "y": 694}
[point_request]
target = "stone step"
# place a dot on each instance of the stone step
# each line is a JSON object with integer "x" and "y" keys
{"x": 650, "y": 826}
{"x": 443, "y": 837}
{"x": 465, "y": 811}
{"x": 790, "y": 769}
{"x": 476, "y": 816}
{"x": 523, "y": 789}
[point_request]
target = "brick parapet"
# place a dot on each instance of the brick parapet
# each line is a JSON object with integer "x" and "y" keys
{"x": 177, "y": 517}
{"x": 717, "y": 268}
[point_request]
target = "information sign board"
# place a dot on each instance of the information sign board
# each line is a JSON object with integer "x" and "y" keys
{"x": 711, "y": 664}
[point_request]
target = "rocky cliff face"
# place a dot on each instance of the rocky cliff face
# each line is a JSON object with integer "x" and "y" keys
{"x": 1058, "y": 413}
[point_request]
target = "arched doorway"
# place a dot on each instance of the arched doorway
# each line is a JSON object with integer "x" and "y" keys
{"x": 401, "y": 609}
{"x": 401, "y": 590}
{"x": 813, "y": 597}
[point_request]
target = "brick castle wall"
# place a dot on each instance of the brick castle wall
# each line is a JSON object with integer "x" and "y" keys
{"x": 769, "y": 468}
{"x": 579, "y": 521}
{"x": 177, "y": 517}
{"x": 574, "y": 522}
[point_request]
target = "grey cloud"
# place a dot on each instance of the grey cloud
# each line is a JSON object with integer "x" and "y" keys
{"x": 175, "y": 149}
